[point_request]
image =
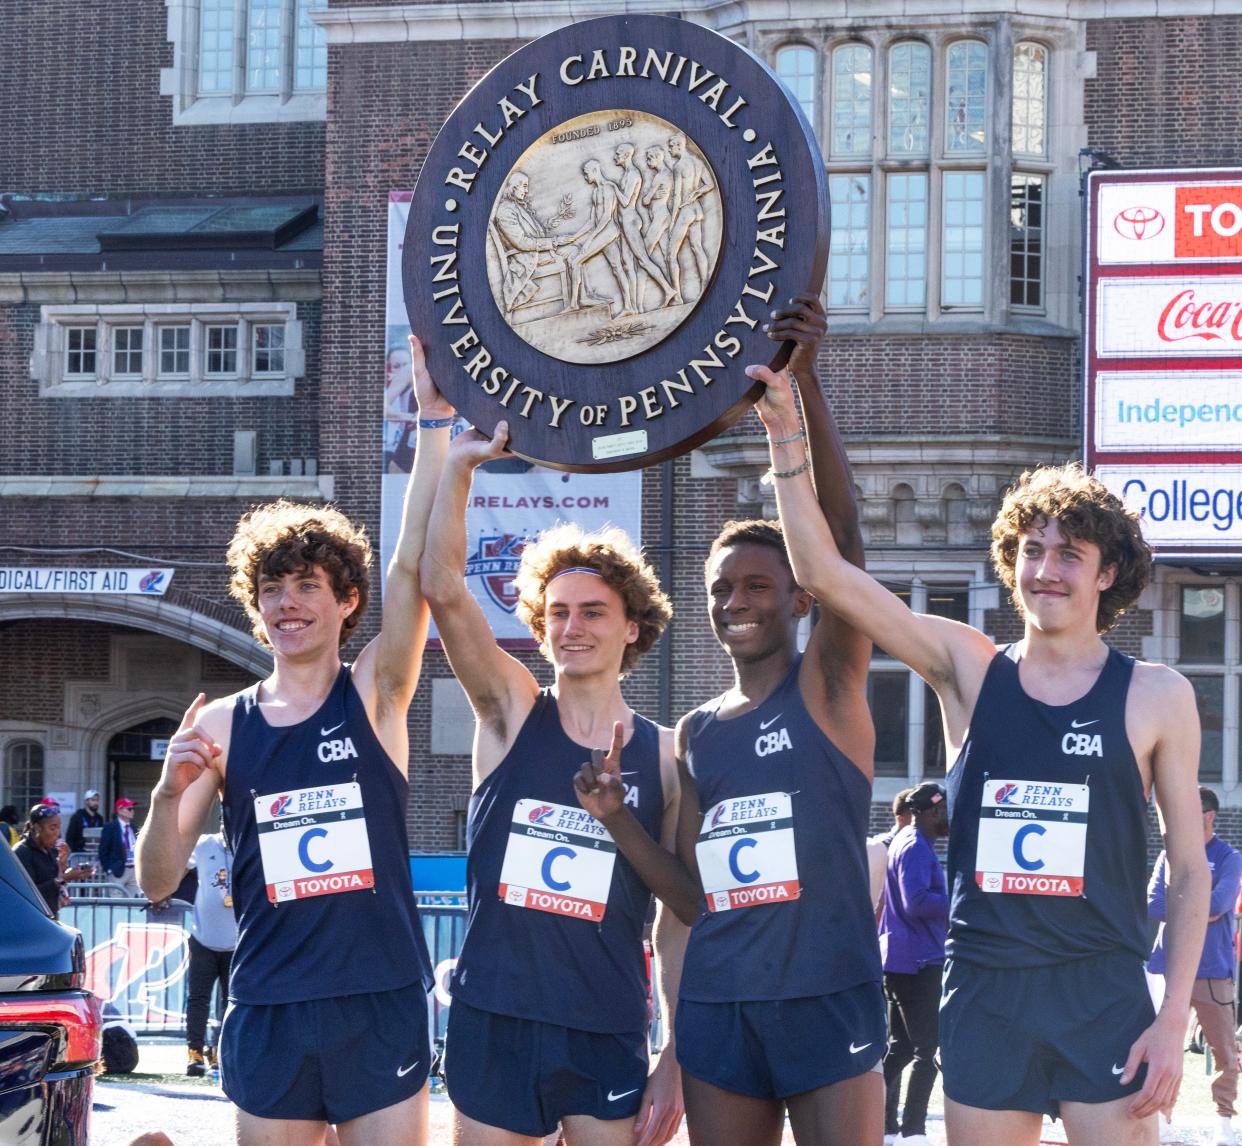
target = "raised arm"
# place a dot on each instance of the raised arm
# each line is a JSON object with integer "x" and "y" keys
{"x": 386, "y": 672}
{"x": 501, "y": 690}
{"x": 950, "y": 656}
{"x": 841, "y": 650}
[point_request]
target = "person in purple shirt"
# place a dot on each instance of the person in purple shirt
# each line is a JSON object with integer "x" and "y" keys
{"x": 1212, "y": 998}
{"x": 913, "y": 926}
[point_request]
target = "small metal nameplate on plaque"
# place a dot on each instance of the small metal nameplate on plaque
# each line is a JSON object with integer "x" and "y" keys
{"x": 619, "y": 445}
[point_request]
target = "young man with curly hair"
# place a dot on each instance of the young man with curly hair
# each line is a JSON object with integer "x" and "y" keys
{"x": 327, "y": 1020}
{"x": 549, "y": 1018}
{"x": 1058, "y": 742}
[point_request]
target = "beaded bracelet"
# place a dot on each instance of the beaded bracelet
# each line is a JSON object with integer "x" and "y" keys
{"x": 435, "y": 423}
{"x": 793, "y": 472}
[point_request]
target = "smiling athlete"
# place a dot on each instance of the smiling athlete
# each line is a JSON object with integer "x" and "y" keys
{"x": 327, "y": 1019}
{"x": 781, "y": 1000}
{"x": 549, "y": 1017}
{"x": 1059, "y": 741}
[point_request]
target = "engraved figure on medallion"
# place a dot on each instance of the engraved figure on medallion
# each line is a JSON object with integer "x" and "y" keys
{"x": 601, "y": 273}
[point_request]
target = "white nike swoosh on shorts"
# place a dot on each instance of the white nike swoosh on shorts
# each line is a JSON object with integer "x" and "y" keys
{"x": 855, "y": 1050}
{"x": 624, "y": 1094}
{"x": 403, "y": 1071}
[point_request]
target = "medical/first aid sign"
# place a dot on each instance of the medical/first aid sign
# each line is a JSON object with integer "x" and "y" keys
{"x": 746, "y": 852}
{"x": 313, "y": 841}
{"x": 1032, "y": 838}
{"x": 1162, "y": 325}
{"x": 558, "y": 859}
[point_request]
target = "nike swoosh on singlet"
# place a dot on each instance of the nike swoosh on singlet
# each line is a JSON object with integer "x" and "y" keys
{"x": 329, "y": 731}
{"x": 766, "y": 723}
{"x": 624, "y": 1094}
{"x": 1119, "y": 1070}
{"x": 1084, "y": 723}
{"x": 403, "y": 1071}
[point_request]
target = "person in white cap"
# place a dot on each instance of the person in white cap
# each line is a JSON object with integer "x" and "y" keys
{"x": 87, "y": 816}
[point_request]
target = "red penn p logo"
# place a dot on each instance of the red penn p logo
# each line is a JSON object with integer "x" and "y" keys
{"x": 1138, "y": 223}
{"x": 280, "y": 805}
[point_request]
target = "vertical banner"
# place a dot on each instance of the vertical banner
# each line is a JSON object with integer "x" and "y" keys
{"x": 511, "y": 499}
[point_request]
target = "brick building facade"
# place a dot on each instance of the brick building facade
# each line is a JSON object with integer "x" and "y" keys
{"x": 952, "y": 362}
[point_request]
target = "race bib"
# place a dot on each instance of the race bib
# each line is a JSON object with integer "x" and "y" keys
{"x": 558, "y": 859}
{"x": 1032, "y": 838}
{"x": 313, "y": 841}
{"x": 746, "y": 852}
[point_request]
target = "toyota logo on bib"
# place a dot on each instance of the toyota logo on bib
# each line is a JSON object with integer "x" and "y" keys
{"x": 1138, "y": 223}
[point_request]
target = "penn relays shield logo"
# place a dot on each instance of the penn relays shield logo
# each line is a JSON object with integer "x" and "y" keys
{"x": 1005, "y": 793}
{"x": 280, "y": 806}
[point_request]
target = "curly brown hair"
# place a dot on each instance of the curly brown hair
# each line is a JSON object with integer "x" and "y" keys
{"x": 754, "y": 531}
{"x": 1086, "y": 511}
{"x": 285, "y": 537}
{"x": 608, "y": 552}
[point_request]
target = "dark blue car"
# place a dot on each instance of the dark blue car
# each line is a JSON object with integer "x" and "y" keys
{"x": 50, "y": 1025}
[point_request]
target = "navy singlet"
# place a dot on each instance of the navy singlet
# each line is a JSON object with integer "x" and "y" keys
{"x": 823, "y": 941}
{"x": 539, "y": 963}
{"x": 1042, "y": 777}
{"x": 321, "y": 945}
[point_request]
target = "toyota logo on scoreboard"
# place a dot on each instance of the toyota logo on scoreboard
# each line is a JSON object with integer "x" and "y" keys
{"x": 1138, "y": 223}
{"x": 1163, "y": 356}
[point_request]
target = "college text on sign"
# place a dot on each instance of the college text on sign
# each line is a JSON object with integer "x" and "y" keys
{"x": 594, "y": 176}
{"x": 313, "y": 841}
{"x": 557, "y": 859}
{"x": 1032, "y": 838}
{"x": 746, "y": 852}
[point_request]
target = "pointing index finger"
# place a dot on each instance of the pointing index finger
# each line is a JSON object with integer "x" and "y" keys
{"x": 191, "y": 713}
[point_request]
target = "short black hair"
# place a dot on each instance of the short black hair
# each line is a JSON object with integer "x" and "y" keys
{"x": 1209, "y": 801}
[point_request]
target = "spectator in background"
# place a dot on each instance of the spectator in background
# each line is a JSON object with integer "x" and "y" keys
{"x": 8, "y": 825}
{"x": 116, "y": 848}
{"x": 1213, "y": 994}
{"x": 902, "y": 817}
{"x": 45, "y": 861}
{"x": 87, "y": 816}
{"x": 913, "y": 927}
{"x": 213, "y": 935}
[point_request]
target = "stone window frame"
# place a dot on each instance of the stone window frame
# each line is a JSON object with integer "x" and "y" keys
{"x": 10, "y": 747}
{"x": 1064, "y": 71}
{"x": 1164, "y": 598}
{"x": 982, "y": 595}
{"x": 289, "y": 104}
{"x": 47, "y": 363}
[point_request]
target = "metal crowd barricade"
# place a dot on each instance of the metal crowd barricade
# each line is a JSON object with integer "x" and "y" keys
{"x": 136, "y": 958}
{"x": 444, "y": 924}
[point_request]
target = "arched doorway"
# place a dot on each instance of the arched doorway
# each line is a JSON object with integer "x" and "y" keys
{"x": 134, "y": 759}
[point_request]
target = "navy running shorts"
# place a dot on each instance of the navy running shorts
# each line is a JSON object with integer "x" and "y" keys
{"x": 326, "y": 1059}
{"x": 1030, "y": 1038}
{"x": 777, "y": 1048}
{"x": 525, "y": 1076}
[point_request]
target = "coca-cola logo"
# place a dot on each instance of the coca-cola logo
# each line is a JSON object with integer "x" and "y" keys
{"x": 1185, "y": 317}
{"x": 1138, "y": 223}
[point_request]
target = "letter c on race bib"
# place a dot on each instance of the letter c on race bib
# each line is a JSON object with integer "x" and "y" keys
{"x": 738, "y": 874}
{"x": 1019, "y": 837}
{"x": 552, "y": 856}
{"x": 304, "y": 850}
